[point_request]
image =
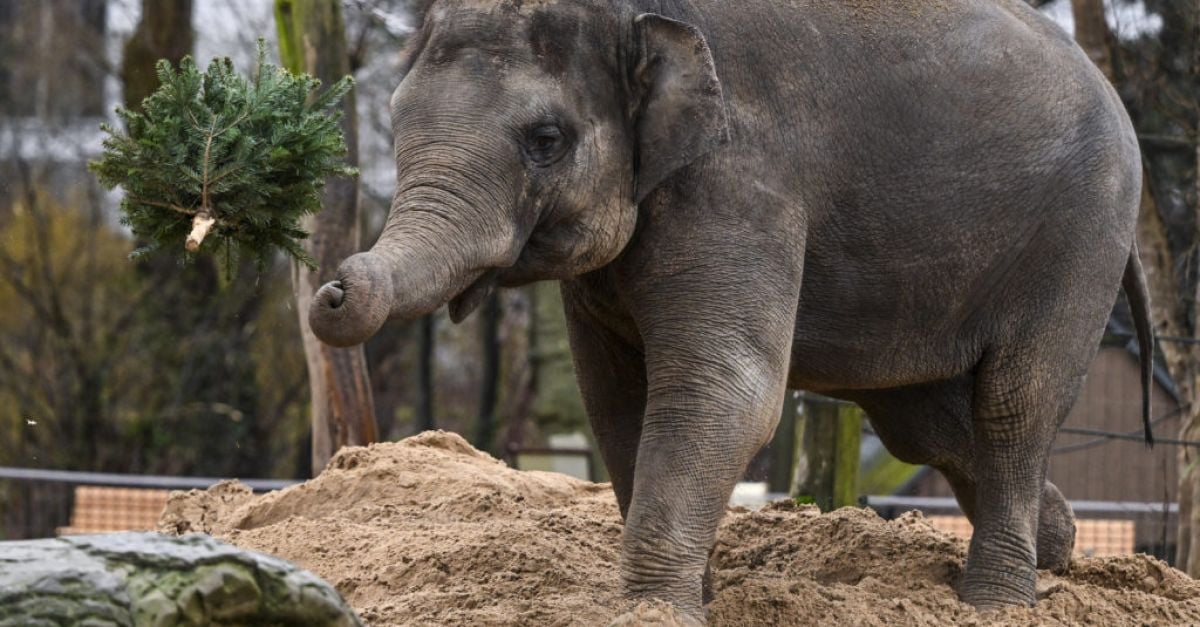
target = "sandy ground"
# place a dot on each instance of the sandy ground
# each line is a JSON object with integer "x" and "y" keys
{"x": 429, "y": 531}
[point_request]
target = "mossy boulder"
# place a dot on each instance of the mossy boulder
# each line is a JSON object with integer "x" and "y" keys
{"x": 159, "y": 581}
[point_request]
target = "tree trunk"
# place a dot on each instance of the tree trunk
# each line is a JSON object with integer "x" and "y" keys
{"x": 485, "y": 429}
{"x": 1188, "y": 547}
{"x": 164, "y": 32}
{"x": 1092, "y": 34}
{"x": 312, "y": 39}
{"x": 425, "y": 416}
{"x": 525, "y": 364}
{"x": 1170, "y": 318}
{"x": 522, "y": 368}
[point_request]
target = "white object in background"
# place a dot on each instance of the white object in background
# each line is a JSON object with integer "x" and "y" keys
{"x": 573, "y": 465}
{"x": 749, "y": 494}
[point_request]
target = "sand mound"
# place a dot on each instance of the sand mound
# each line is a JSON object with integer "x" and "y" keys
{"x": 430, "y": 531}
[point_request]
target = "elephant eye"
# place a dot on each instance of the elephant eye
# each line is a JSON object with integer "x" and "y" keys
{"x": 546, "y": 138}
{"x": 545, "y": 144}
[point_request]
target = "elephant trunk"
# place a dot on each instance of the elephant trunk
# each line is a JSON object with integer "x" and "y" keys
{"x": 347, "y": 311}
{"x": 422, "y": 260}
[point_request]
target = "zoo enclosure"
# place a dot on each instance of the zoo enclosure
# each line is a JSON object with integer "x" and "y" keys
{"x": 1125, "y": 494}
{"x": 38, "y": 503}
{"x": 70, "y": 502}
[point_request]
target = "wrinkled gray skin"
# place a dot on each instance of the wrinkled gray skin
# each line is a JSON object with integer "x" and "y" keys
{"x": 923, "y": 207}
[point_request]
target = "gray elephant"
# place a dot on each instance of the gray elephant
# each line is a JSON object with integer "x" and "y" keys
{"x": 926, "y": 207}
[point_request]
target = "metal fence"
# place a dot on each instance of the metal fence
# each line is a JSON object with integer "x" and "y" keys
{"x": 1122, "y": 492}
{"x": 41, "y": 503}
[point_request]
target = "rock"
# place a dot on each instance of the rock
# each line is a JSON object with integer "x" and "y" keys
{"x": 158, "y": 581}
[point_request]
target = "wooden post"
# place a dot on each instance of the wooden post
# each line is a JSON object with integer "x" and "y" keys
{"x": 846, "y": 456}
{"x": 816, "y": 480}
{"x": 832, "y": 433}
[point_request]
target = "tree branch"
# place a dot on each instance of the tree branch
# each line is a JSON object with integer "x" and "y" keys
{"x": 163, "y": 205}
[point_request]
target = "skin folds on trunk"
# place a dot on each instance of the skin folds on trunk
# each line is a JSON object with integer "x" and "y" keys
{"x": 419, "y": 263}
{"x": 450, "y": 230}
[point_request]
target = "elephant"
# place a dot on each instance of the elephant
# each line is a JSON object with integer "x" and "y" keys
{"x": 926, "y": 207}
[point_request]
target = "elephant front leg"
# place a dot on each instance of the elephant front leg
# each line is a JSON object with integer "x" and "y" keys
{"x": 612, "y": 380}
{"x": 713, "y": 401}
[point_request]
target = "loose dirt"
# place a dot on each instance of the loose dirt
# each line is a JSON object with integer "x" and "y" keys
{"x": 429, "y": 531}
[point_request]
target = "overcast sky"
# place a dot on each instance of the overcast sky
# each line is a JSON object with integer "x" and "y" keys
{"x": 1127, "y": 20}
{"x": 223, "y": 24}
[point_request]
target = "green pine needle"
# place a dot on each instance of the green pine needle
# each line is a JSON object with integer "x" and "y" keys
{"x": 251, "y": 154}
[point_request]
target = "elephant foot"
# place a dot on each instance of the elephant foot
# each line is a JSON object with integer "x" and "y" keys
{"x": 1056, "y": 532}
{"x": 656, "y": 614}
{"x": 996, "y": 589}
{"x": 1000, "y": 570}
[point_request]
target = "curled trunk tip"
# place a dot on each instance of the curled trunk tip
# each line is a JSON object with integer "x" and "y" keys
{"x": 351, "y": 309}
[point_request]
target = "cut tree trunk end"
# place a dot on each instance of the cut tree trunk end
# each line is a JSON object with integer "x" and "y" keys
{"x": 201, "y": 225}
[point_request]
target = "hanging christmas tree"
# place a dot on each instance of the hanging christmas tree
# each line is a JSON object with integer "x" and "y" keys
{"x": 216, "y": 162}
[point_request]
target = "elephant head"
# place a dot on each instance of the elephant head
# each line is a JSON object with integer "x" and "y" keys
{"x": 526, "y": 134}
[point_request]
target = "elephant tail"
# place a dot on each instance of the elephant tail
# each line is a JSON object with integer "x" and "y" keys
{"x": 1138, "y": 295}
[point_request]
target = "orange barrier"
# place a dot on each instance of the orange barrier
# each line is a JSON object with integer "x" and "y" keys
{"x": 1093, "y": 538}
{"x": 103, "y": 510}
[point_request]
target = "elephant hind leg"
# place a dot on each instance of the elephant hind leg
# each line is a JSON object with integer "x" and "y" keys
{"x": 1020, "y": 399}
{"x": 932, "y": 424}
{"x": 1056, "y": 531}
{"x": 1056, "y": 521}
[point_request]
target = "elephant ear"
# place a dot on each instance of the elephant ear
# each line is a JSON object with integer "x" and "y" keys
{"x": 681, "y": 112}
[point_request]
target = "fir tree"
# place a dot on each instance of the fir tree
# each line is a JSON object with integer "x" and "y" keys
{"x": 225, "y": 164}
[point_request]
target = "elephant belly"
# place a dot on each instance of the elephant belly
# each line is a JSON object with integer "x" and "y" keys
{"x": 858, "y": 328}
{"x": 865, "y": 361}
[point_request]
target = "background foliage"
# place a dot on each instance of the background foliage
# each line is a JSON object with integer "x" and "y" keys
{"x": 157, "y": 367}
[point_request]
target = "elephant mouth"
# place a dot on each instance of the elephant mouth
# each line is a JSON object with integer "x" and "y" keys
{"x": 469, "y": 299}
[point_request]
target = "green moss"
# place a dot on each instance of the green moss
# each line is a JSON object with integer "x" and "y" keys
{"x": 155, "y": 580}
